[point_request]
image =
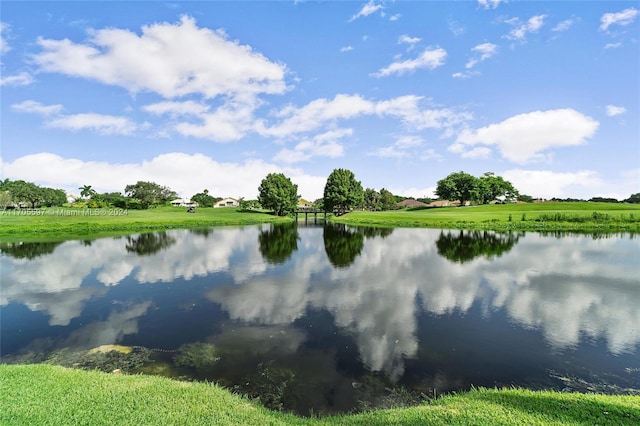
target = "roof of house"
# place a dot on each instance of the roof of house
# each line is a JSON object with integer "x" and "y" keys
{"x": 409, "y": 202}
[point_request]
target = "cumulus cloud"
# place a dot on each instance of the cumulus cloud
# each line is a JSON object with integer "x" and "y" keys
{"x": 520, "y": 29}
{"x": 482, "y": 52}
{"x": 322, "y": 145}
{"x": 405, "y": 39}
{"x": 526, "y": 137}
{"x": 177, "y": 108}
{"x": 184, "y": 173}
{"x": 21, "y": 79}
{"x": 564, "y": 25}
{"x": 428, "y": 59}
{"x": 404, "y": 147}
{"x": 613, "y": 110}
{"x": 549, "y": 184}
{"x": 367, "y": 10}
{"x": 4, "y": 45}
{"x": 622, "y": 18}
{"x": 612, "y": 45}
{"x": 172, "y": 60}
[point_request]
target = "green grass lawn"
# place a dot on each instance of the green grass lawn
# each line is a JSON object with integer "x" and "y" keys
{"x": 52, "y": 395}
{"x": 577, "y": 216}
{"x": 68, "y": 223}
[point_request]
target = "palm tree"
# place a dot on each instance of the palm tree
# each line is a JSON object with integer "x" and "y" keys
{"x": 86, "y": 191}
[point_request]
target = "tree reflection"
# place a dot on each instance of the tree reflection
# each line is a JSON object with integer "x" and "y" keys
{"x": 342, "y": 245}
{"x": 28, "y": 250}
{"x": 465, "y": 246}
{"x": 149, "y": 243}
{"x": 278, "y": 243}
{"x": 371, "y": 232}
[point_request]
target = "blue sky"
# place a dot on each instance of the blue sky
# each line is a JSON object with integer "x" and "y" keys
{"x": 216, "y": 95}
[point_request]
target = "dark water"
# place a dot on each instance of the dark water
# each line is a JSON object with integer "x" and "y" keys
{"x": 328, "y": 319}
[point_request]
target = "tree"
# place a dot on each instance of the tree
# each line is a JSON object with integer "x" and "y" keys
{"x": 25, "y": 191}
{"x": 491, "y": 187}
{"x": 633, "y": 198}
{"x": 86, "y": 191}
{"x": 278, "y": 193}
{"x": 372, "y": 199}
{"x": 458, "y": 186}
{"x": 53, "y": 197}
{"x": 387, "y": 200}
{"x": 204, "y": 199}
{"x": 342, "y": 191}
{"x": 149, "y": 193}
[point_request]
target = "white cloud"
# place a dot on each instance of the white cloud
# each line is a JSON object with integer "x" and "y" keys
{"x": 613, "y": 110}
{"x": 549, "y": 184}
{"x": 192, "y": 60}
{"x": 403, "y": 147}
{"x": 323, "y": 145}
{"x": 490, "y": 4}
{"x": 405, "y": 39}
{"x": 525, "y": 137}
{"x": 346, "y": 49}
{"x": 367, "y": 10}
{"x": 485, "y": 51}
{"x": 429, "y": 59}
{"x": 520, "y": 30}
{"x": 37, "y": 108}
{"x": 21, "y": 79}
{"x": 622, "y": 18}
{"x": 395, "y": 17}
{"x": 177, "y": 108}
{"x": 612, "y": 45}
{"x": 4, "y": 46}
{"x": 563, "y": 26}
{"x": 184, "y": 173}
{"x": 99, "y": 123}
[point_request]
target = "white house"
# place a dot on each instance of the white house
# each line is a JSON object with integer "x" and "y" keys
{"x": 183, "y": 202}
{"x": 227, "y": 202}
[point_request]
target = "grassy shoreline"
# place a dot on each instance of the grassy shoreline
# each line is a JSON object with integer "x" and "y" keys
{"x": 56, "y": 224}
{"x": 52, "y": 395}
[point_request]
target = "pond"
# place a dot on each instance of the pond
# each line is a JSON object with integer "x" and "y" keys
{"x": 327, "y": 319}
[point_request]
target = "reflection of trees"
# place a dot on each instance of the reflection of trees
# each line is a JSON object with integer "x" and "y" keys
{"x": 278, "y": 242}
{"x": 467, "y": 245}
{"x": 204, "y": 232}
{"x": 28, "y": 250}
{"x": 149, "y": 243}
{"x": 371, "y": 232}
{"x": 341, "y": 244}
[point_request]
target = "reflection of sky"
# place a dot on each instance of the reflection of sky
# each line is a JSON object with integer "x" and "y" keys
{"x": 569, "y": 288}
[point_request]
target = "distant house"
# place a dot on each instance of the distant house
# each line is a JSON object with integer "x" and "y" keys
{"x": 183, "y": 202}
{"x": 410, "y": 203}
{"x": 227, "y": 202}
{"x": 441, "y": 203}
{"x": 304, "y": 204}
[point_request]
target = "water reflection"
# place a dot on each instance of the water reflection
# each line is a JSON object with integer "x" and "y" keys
{"x": 29, "y": 251}
{"x": 356, "y": 296}
{"x": 463, "y": 246}
{"x": 278, "y": 242}
{"x": 149, "y": 243}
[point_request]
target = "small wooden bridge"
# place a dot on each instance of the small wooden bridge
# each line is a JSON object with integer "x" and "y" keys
{"x": 309, "y": 211}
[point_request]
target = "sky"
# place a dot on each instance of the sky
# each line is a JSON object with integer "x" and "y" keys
{"x": 216, "y": 95}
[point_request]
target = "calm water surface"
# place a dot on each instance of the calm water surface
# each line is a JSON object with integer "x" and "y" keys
{"x": 330, "y": 319}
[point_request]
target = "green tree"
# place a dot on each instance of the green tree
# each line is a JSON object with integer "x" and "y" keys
{"x": 278, "y": 193}
{"x": 149, "y": 193}
{"x": 633, "y": 198}
{"x": 204, "y": 199}
{"x": 458, "y": 186}
{"x": 491, "y": 187}
{"x": 22, "y": 191}
{"x": 387, "y": 200}
{"x": 342, "y": 191}
{"x": 53, "y": 197}
{"x": 86, "y": 191}
{"x": 372, "y": 199}
{"x": 5, "y": 199}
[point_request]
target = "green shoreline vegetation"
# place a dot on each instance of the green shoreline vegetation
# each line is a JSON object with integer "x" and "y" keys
{"x": 83, "y": 223}
{"x": 53, "y": 395}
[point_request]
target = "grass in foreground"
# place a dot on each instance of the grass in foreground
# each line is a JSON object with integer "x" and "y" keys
{"x": 51, "y": 395}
